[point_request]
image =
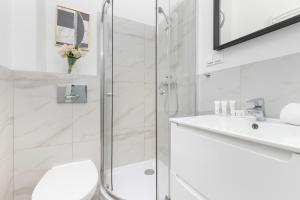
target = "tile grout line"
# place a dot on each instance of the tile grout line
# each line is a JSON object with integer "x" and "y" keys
{"x": 13, "y": 134}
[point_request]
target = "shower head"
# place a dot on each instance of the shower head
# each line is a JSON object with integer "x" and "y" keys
{"x": 103, "y": 9}
{"x": 162, "y": 12}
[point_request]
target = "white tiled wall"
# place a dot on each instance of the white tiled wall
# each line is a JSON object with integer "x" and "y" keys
{"x": 176, "y": 60}
{"x": 134, "y": 92}
{"x": 6, "y": 135}
{"x": 276, "y": 80}
{"x": 43, "y": 133}
{"x": 47, "y": 133}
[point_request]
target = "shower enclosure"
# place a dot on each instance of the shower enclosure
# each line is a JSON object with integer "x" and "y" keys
{"x": 148, "y": 63}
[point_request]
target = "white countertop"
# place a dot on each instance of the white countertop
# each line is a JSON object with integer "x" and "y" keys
{"x": 272, "y": 132}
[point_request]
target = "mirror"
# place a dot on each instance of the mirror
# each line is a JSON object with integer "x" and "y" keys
{"x": 237, "y": 21}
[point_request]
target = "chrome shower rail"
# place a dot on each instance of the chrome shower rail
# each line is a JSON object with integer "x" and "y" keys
{"x": 104, "y": 192}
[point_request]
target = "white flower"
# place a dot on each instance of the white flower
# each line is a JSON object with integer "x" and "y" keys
{"x": 76, "y": 53}
{"x": 66, "y": 50}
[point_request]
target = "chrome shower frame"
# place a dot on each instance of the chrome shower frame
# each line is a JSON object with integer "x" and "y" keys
{"x": 106, "y": 193}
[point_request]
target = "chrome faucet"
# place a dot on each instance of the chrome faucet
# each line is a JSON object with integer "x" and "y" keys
{"x": 257, "y": 109}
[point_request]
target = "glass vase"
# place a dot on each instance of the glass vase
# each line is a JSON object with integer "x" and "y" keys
{"x": 71, "y": 62}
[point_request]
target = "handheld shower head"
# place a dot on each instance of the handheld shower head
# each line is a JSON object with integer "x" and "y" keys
{"x": 104, "y": 10}
{"x": 162, "y": 12}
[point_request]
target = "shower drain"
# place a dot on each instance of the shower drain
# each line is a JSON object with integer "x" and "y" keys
{"x": 149, "y": 172}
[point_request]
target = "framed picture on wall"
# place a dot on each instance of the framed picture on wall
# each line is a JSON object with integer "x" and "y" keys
{"x": 72, "y": 27}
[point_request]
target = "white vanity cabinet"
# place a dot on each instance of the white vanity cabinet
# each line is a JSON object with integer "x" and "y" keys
{"x": 206, "y": 165}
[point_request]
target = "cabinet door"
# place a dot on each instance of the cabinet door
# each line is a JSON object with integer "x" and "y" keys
{"x": 180, "y": 190}
{"x": 223, "y": 168}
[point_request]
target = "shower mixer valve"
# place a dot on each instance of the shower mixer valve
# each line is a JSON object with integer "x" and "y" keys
{"x": 164, "y": 86}
{"x": 72, "y": 93}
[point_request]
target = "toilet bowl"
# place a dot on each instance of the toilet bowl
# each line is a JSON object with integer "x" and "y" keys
{"x": 72, "y": 181}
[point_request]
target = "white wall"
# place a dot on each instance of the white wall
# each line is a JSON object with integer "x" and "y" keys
{"x": 31, "y": 38}
{"x": 245, "y": 20}
{"x": 87, "y": 64}
{"x": 282, "y": 42}
{"x": 142, "y": 11}
{"x": 24, "y": 35}
{"x": 33, "y": 35}
{"x": 5, "y": 33}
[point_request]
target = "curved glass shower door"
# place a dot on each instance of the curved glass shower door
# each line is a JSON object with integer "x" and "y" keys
{"x": 106, "y": 95}
{"x": 149, "y": 61}
{"x": 129, "y": 108}
{"x": 134, "y": 121}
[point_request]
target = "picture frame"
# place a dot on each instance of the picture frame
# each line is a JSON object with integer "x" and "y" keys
{"x": 72, "y": 27}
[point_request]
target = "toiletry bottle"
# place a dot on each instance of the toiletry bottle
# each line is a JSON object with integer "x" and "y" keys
{"x": 232, "y": 106}
{"x": 224, "y": 107}
{"x": 217, "y": 107}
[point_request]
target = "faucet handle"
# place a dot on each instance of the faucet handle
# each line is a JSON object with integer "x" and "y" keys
{"x": 257, "y": 102}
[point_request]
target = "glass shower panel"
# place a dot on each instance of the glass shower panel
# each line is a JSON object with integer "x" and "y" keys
{"x": 107, "y": 95}
{"x": 163, "y": 97}
{"x": 134, "y": 122}
{"x": 149, "y": 69}
{"x": 183, "y": 58}
{"x": 176, "y": 72}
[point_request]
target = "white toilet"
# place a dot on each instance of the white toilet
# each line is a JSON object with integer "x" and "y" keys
{"x": 72, "y": 181}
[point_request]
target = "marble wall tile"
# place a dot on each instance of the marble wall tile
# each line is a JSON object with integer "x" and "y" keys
{"x": 6, "y": 178}
{"x": 162, "y": 130}
{"x": 150, "y": 143}
{"x": 86, "y": 117}
{"x": 128, "y": 105}
{"x": 134, "y": 91}
{"x": 177, "y": 61}
{"x": 222, "y": 85}
{"x": 149, "y": 102}
{"x": 6, "y": 134}
{"x": 47, "y": 133}
{"x": 6, "y": 110}
{"x": 163, "y": 71}
{"x": 185, "y": 9}
{"x": 129, "y": 50}
{"x": 150, "y": 60}
{"x": 131, "y": 73}
{"x": 87, "y": 151}
{"x": 31, "y": 164}
{"x": 38, "y": 120}
{"x": 276, "y": 80}
{"x": 185, "y": 95}
{"x": 128, "y": 146}
{"x": 129, "y": 27}
{"x": 150, "y": 74}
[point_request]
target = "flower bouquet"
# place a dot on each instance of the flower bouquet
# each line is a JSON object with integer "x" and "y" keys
{"x": 72, "y": 53}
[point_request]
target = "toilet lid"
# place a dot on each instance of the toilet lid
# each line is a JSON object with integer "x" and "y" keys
{"x": 74, "y": 181}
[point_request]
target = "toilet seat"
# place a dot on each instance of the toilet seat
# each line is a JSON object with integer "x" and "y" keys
{"x": 73, "y": 181}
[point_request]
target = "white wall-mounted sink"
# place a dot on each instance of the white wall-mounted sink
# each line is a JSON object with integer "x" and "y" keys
{"x": 271, "y": 132}
{"x": 224, "y": 158}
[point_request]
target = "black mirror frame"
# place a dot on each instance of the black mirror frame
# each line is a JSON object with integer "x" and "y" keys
{"x": 269, "y": 29}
